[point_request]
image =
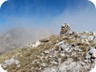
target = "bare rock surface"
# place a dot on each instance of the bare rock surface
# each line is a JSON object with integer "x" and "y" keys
{"x": 68, "y": 52}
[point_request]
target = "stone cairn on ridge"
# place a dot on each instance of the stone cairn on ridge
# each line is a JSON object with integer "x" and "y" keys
{"x": 65, "y": 29}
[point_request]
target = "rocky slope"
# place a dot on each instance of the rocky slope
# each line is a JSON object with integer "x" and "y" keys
{"x": 69, "y": 52}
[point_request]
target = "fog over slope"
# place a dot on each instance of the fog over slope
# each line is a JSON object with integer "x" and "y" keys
{"x": 23, "y": 30}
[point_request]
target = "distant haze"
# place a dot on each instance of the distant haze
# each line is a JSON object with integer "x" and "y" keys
{"x": 40, "y": 19}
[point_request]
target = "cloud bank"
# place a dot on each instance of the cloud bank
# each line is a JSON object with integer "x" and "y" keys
{"x": 46, "y": 20}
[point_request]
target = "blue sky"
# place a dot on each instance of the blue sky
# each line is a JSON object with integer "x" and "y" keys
{"x": 48, "y": 14}
{"x": 40, "y": 8}
{"x": 31, "y": 7}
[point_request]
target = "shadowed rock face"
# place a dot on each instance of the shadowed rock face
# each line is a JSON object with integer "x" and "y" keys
{"x": 70, "y": 52}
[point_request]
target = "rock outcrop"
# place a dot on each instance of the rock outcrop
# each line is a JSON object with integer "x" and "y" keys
{"x": 67, "y": 52}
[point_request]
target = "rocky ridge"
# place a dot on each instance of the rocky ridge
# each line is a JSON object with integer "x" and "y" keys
{"x": 68, "y": 52}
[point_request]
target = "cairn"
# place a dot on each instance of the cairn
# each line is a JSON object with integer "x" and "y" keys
{"x": 65, "y": 29}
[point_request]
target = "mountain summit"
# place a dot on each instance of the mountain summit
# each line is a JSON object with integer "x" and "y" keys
{"x": 68, "y": 52}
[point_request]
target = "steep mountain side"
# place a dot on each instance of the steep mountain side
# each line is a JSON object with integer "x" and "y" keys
{"x": 68, "y": 52}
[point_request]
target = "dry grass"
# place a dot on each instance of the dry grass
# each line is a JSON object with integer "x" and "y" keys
{"x": 27, "y": 55}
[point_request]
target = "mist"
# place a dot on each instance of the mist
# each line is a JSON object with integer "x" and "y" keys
{"x": 29, "y": 29}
